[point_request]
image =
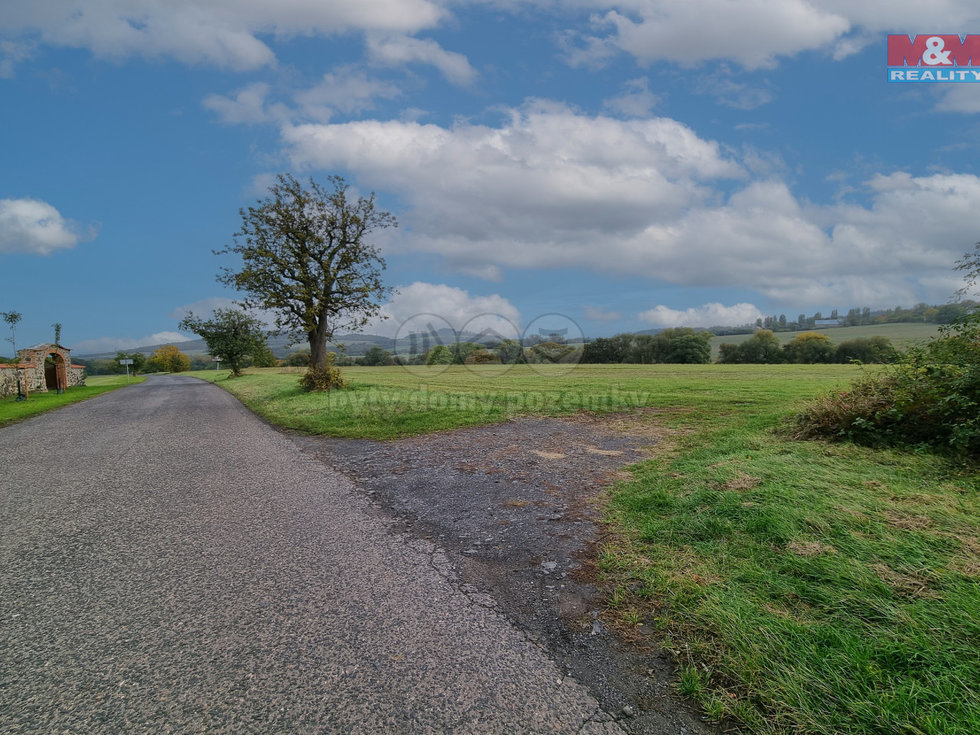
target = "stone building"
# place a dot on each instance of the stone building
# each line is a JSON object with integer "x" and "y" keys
{"x": 41, "y": 368}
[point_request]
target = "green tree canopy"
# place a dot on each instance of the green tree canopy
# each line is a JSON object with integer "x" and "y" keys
{"x": 306, "y": 257}
{"x": 169, "y": 359}
{"x": 810, "y": 347}
{"x": 231, "y": 335}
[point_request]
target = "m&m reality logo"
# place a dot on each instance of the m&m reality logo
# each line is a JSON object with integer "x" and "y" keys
{"x": 936, "y": 58}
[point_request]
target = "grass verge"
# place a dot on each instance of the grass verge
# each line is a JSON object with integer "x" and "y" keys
{"x": 804, "y": 587}
{"x": 11, "y": 410}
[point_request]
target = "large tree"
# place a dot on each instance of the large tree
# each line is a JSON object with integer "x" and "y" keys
{"x": 231, "y": 335}
{"x": 169, "y": 359}
{"x": 307, "y": 258}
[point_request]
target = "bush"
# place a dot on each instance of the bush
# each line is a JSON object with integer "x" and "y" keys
{"x": 321, "y": 379}
{"x": 762, "y": 347}
{"x": 875, "y": 350}
{"x": 932, "y": 397}
{"x": 808, "y": 348}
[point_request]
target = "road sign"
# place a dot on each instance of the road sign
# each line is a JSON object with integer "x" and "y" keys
{"x": 125, "y": 362}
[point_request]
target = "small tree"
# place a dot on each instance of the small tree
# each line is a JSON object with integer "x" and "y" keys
{"x": 263, "y": 357}
{"x": 306, "y": 257}
{"x": 169, "y": 359}
{"x": 231, "y": 335}
{"x": 690, "y": 349}
{"x": 138, "y": 358}
{"x": 12, "y": 318}
{"x": 57, "y": 333}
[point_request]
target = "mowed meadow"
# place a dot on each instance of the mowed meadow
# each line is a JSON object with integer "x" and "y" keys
{"x": 802, "y": 586}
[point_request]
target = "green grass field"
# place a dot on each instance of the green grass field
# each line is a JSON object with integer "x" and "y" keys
{"x": 803, "y": 587}
{"x": 901, "y": 334}
{"x": 11, "y": 410}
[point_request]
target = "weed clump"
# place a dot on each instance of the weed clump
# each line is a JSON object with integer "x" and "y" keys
{"x": 323, "y": 379}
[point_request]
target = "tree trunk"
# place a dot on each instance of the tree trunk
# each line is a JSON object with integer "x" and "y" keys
{"x": 318, "y": 346}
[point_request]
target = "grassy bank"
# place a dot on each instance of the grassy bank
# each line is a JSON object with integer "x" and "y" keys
{"x": 803, "y": 586}
{"x": 11, "y": 410}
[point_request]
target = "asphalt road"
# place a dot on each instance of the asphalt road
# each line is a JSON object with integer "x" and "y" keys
{"x": 169, "y": 563}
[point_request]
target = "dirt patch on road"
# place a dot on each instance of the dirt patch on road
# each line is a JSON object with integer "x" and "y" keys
{"x": 516, "y": 508}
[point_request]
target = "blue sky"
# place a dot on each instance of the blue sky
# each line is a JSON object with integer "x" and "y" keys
{"x": 632, "y": 164}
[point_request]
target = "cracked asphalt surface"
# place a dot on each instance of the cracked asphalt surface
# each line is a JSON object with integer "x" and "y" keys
{"x": 169, "y": 563}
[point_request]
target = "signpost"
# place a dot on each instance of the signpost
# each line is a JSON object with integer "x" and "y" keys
{"x": 127, "y": 363}
{"x": 217, "y": 363}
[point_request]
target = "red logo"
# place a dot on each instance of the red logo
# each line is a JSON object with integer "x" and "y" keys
{"x": 937, "y": 50}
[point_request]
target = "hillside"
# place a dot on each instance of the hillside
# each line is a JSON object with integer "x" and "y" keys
{"x": 901, "y": 334}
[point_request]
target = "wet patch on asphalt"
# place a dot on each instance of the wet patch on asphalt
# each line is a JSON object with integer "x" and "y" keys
{"x": 515, "y": 506}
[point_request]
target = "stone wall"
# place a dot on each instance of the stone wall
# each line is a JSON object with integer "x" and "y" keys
{"x": 8, "y": 380}
{"x": 31, "y": 370}
{"x": 76, "y": 375}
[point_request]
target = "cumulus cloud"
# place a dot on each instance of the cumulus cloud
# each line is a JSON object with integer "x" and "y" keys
{"x": 34, "y": 226}
{"x": 552, "y": 188}
{"x": 114, "y": 344}
{"x": 959, "y": 98}
{"x": 418, "y": 305}
{"x": 708, "y": 315}
{"x": 549, "y": 176}
{"x": 345, "y": 89}
{"x": 247, "y": 106}
{"x": 401, "y": 50}
{"x": 752, "y": 33}
{"x": 220, "y": 32}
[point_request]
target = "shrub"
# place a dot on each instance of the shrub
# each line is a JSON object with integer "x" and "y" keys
{"x": 931, "y": 397}
{"x": 809, "y": 347}
{"x": 321, "y": 379}
{"x": 867, "y": 350}
{"x": 481, "y": 357}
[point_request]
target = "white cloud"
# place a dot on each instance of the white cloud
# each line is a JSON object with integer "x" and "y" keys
{"x": 635, "y": 101}
{"x": 551, "y": 188}
{"x": 114, "y": 344}
{"x": 401, "y": 50}
{"x": 247, "y": 106}
{"x": 347, "y": 89}
{"x": 708, "y": 315}
{"x": 220, "y": 32}
{"x": 419, "y": 304}
{"x": 11, "y": 54}
{"x": 752, "y": 33}
{"x": 959, "y": 98}
{"x": 33, "y": 226}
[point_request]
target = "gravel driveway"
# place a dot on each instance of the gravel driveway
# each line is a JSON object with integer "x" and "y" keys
{"x": 169, "y": 563}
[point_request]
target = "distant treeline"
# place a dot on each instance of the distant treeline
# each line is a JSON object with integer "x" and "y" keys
{"x": 920, "y": 313}
{"x": 807, "y": 347}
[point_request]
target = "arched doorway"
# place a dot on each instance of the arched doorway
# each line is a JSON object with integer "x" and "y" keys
{"x": 55, "y": 372}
